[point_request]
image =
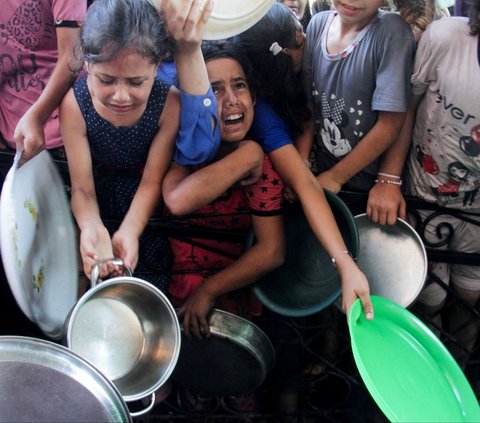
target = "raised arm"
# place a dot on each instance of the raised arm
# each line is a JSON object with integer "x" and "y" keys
{"x": 385, "y": 200}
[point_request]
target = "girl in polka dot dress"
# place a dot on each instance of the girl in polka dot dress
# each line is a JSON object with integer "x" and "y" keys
{"x": 120, "y": 126}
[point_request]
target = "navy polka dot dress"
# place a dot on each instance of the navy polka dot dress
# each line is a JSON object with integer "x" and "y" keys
{"x": 119, "y": 155}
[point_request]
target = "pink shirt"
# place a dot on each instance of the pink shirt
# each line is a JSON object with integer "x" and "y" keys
{"x": 28, "y": 55}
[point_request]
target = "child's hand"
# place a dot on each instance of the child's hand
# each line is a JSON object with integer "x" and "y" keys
{"x": 186, "y": 22}
{"x": 385, "y": 204}
{"x": 326, "y": 180}
{"x": 125, "y": 247}
{"x": 95, "y": 246}
{"x": 195, "y": 311}
{"x": 30, "y": 136}
{"x": 354, "y": 285}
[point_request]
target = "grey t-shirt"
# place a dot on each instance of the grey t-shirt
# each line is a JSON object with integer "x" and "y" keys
{"x": 349, "y": 88}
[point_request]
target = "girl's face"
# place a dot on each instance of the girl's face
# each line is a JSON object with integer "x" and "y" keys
{"x": 357, "y": 12}
{"x": 296, "y": 6}
{"x": 120, "y": 87}
{"x": 235, "y": 101}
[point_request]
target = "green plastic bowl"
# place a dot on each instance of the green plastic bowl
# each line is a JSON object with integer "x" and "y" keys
{"x": 407, "y": 370}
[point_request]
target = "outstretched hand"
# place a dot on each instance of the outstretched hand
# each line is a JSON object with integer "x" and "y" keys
{"x": 186, "y": 22}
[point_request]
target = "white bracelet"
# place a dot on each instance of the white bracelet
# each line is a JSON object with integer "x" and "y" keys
{"x": 389, "y": 175}
{"x": 334, "y": 258}
{"x": 386, "y": 181}
{"x": 308, "y": 163}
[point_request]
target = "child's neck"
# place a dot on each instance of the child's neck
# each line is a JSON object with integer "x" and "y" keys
{"x": 342, "y": 34}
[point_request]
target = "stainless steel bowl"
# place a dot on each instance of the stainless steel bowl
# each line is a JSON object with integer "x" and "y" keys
{"x": 393, "y": 259}
{"x": 129, "y": 330}
{"x": 41, "y": 381}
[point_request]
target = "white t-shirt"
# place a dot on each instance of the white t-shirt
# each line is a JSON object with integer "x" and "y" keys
{"x": 444, "y": 161}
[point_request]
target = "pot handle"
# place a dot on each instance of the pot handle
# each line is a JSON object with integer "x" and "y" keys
{"x": 145, "y": 410}
{"x": 96, "y": 269}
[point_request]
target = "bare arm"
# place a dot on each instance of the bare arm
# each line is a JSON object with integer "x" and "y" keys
{"x": 373, "y": 144}
{"x": 185, "y": 24}
{"x": 149, "y": 192}
{"x": 184, "y": 192}
{"x": 295, "y": 173}
{"x": 267, "y": 254}
{"x": 385, "y": 201}
{"x": 29, "y": 132}
{"x": 95, "y": 243}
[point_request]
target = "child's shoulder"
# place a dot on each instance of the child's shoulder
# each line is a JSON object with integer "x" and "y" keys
{"x": 392, "y": 23}
{"x": 446, "y": 28}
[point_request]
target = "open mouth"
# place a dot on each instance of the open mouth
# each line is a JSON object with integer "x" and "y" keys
{"x": 234, "y": 119}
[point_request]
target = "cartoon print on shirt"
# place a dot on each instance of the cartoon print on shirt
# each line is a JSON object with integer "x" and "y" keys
{"x": 333, "y": 120}
{"x": 425, "y": 159}
{"x": 457, "y": 173}
{"x": 470, "y": 145}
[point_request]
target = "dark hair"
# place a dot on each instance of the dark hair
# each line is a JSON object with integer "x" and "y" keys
{"x": 113, "y": 25}
{"x": 212, "y": 50}
{"x": 474, "y": 16}
{"x": 279, "y": 84}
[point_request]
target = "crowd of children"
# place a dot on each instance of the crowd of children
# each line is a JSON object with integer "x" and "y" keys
{"x": 349, "y": 97}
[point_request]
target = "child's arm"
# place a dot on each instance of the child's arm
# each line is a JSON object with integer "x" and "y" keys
{"x": 295, "y": 173}
{"x": 95, "y": 244}
{"x": 385, "y": 201}
{"x": 149, "y": 192}
{"x": 185, "y": 192}
{"x": 267, "y": 254}
{"x": 304, "y": 142}
{"x": 186, "y": 23}
{"x": 372, "y": 145}
{"x": 29, "y": 132}
{"x": 199, "y": 136}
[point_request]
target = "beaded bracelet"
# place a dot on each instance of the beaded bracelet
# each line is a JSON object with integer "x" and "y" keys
{"x": 334, "y": 258}
{"x": 386, "y": 181}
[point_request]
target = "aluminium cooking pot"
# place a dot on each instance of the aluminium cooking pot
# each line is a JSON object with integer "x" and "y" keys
{"x": 234, "y": 360}
{"x": 41, "y": 381}
{"x": 128, "y": 329}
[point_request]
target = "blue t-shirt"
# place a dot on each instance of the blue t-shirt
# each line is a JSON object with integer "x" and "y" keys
{"x": 269, "y": 129}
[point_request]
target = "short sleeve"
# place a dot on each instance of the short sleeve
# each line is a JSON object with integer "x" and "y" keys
{"x": 265, "y": 197}
{"x": 68, "y": 12}
{"x": 269, "y": 129}
{"x": 392, "y": 91}
{"x": 428, "y": 55}
{"x": 198, "y": 140}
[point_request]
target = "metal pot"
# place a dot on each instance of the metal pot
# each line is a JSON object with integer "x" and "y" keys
{"x": 128, "y": 329}
{"x": 234, "y": 360}
{"x": 41, "y": 381}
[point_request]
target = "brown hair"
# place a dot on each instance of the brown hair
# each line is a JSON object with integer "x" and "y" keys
{"x": 417, "y": 13}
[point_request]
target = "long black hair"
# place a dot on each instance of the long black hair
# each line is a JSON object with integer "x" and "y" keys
{"x": 278, "y": 82}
